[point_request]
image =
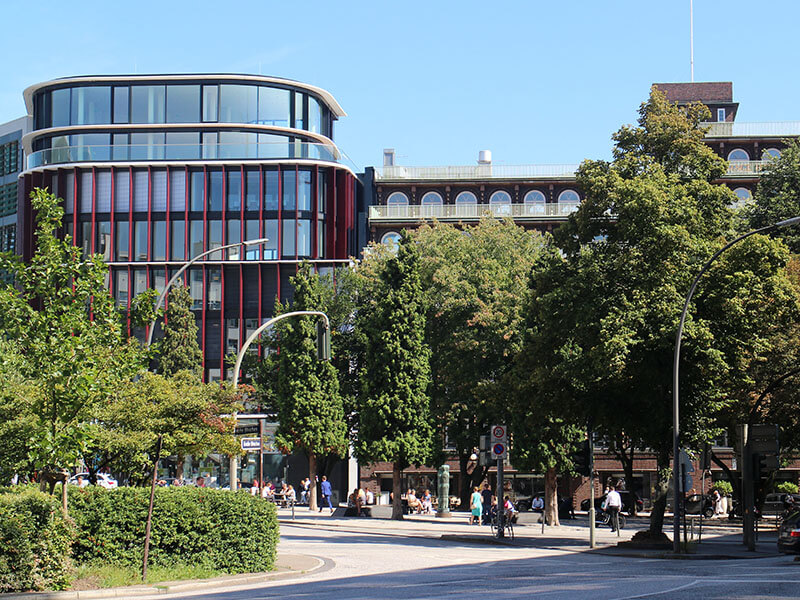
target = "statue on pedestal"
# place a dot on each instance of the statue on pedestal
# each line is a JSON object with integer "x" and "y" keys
{"x": 444, "y": 491}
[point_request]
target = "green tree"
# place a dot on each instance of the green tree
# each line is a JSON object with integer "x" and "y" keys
{"x": 65, "y": 326}
{"x": 394, "y": 406}
{"x": 179, "y": 349}
{"x": 607, "y": 307}
{"x": 17, "y": 421}
{"x": 304, "y": 389}
{"x": 475, "y": 282}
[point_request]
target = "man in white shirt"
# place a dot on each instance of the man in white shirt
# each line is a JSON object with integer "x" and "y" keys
{"x": 370, "y": 497}
{"x": 613, "y": 506}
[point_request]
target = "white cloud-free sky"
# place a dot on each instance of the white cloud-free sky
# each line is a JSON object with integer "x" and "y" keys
{"x": 536, "y": 82}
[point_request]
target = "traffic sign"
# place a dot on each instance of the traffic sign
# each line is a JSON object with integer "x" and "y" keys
{"x": 498, "y": 450}
{"x": 499, "y": 434}
{"x": 251, "y": 444}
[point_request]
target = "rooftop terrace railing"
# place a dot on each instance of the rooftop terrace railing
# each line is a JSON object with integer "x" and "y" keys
{"x": 463, "y": 212}
{"x": 186, "y": 152}
{"x": 776, "y": 129}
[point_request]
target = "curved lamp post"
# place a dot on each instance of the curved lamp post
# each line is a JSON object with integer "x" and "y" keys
{"x": 185, "y": 266}
{"x": 240, "y": 357}
{"x": 676, "y": 526}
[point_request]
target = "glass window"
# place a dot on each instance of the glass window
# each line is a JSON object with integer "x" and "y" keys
{"x": 178, "y": 240}
{"x": 234, "y": 236}
{"x": 122, "y": 191}
{"x": 299, "y": 113}
{"x": 159, "y": 177}
{"x": 182, "y": 145}
{"x": 196, "y": 288}
{"x": 466, "y": 198}
{"x": 121, "y": 104}
{"x": 720, "y": 114}
{"x": 289, "y": 190}
{"x": 743, "y": 194}
{"x": 91, "y": 105}
{"x": 238, "y": 103}
{"x": 569, "y": 196}
{"x": 321, "y": 192}
{"x": 210, "y": 144}
{"x": 141, "y": 185}
{"x": 234, "y": 191}
{"x": 390, "y": 238}
{"x": 500, "y": 203}
{"x": 86, "y": 238}
{"x": 270, "y": 248}
{"x": 314, "y": 115}
{"x": 431, "y": 204}
{"x": 251, "y": 233}
{"x": 147, "y": 103}
{"x": 183, "y": 103}
{"x": 159, "y": 279}
{"x": 289, "y": 234}
{"x": 139, "y": 281}
{"x": 85, "y": 190}
{"x": 214, "y": 239}
{"x": 272, "y": 146}
{"x": 103, "y": 192}
{"x": 397, "y": 198}
{"x": 270, "y": 190}
{"x": 60, "y": 108}
{"x": 273, "y": 106}
{"x": 210, "y": 97}
{"x": 177, "y": 190}
{"x": 215, "y": 190}
{"x": 304, "y": 190}
{"x": 196, "y": 239}
{"x": 770, "y": 154}
{"x": 122, "y": 241}
{"x": 321, "y": 238}
{"x": 69, "y": 195}
{"x": 120, "y": 146}
{"x": 122, "y": 288}
{"x": 738, "y": 154}
{"x": 197, "y": 188}
{"x": 159, "y": 241}
{"x": 304, "y": 238}
{"x": 103, "y": 240}
{"x": 237, "y": 144}
{"x": 535, "y": 202}
{"x": 140, "y": 241}
{"x": 214, "y": 288}
{"x": 147, "y": 146}
{"x": 252, "y": 190}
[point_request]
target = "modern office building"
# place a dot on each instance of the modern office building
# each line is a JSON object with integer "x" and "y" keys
{"x": 11, "y": 163}
{"x": 155, "y": 169}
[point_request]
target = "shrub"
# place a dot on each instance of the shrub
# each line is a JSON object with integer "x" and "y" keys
{"x": 226, "y": 531}
{"x": 787, "y": 487}
{"x": 724, "y": 487}
{"x": 35, "y": 541}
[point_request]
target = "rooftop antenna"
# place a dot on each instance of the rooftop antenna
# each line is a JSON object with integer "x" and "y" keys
{"x": 691, "y": 38}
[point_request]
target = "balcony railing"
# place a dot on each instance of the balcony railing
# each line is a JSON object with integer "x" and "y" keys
{"x": 186, "y": 152}
{"x": 461, "y": 212}
{"x": 746, "y": 167}
{"x": 777, "y": 129}
{"x": 479, "y": 172}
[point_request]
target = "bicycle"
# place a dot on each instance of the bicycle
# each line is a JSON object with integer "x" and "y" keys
{"x": 604, "y": 518}
{"x": 509, "y": 527}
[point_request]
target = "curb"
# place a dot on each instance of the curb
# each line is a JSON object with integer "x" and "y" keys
{"x": 307, "y": 565}
{"x": 670, "y": 556}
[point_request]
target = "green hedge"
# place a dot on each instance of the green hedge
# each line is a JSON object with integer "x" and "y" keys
{"x": 232, "y": 532}
{"x": 35, "y": 542}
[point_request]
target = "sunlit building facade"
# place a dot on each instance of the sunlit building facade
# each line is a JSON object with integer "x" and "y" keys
{"x": 156, "y": 169}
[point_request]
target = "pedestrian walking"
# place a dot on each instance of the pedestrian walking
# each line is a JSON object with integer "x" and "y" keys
{"x": 486, "y": 500}
{"x": 613, "y": 506}
{"x": 476, "y": 505}
{"x": 325, "y": 489}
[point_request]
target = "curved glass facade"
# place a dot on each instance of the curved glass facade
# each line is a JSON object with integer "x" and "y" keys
{"x": 170, "y": 179}
{"x": 128, "y": 103}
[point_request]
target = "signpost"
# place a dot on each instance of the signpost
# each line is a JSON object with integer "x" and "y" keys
{"x": 499, "y": 444}
{"x": 760, "y": 448}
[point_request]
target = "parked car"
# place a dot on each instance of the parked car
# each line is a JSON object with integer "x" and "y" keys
{"x": 103, "y": 480}
{"x": 628, "y": 500}
{"x": 699, "y": 504}
{"x": 775, "y": 504}
{"x": 789, "y": 534}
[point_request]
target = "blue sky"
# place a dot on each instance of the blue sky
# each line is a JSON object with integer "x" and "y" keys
{"x": 535, "y": 82}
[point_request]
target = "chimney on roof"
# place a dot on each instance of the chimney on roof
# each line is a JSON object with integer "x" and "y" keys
{"x": 485, "y": 157}
{"x": 388, "y": 157}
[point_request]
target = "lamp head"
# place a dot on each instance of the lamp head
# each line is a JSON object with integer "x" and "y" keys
{"x": 787, "y": 222}
{"x": 254, "y": 242}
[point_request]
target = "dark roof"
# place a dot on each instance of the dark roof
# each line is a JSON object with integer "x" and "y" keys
{"x": 706, "y": 92}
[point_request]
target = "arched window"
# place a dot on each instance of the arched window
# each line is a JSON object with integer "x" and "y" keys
{"x": 568, "y": 202}
{"x": 770, "y": 154}
{"x": 390, "y": 238}
{"x": 466, "y": 198}
{"x": 500, "y": 203}
{"x": 431, "y": 204}
{"x": 744, "y": 196}
{"x": 466, "y": 205}
{"x": 738, "y": 154}
{"x": 535, "y": 203}
{"x": 397, "y": 204}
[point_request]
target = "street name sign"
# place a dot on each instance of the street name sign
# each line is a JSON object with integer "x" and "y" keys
{"x": 251, "y": 444}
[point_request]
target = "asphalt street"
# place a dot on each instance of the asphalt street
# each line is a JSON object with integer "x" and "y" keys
{"x": 363, "y": 563}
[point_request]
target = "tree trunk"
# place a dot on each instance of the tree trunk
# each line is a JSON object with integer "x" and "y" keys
{"x": 64, "y": 496}
{"x": 464, "y": 489}
{"x": 550, "y": 497}
{"x": 179, "y": 468}
{"x": 397, "y": 501}
{"x": 312, "y": 475}
{"x": 661, "y": 491}
{"x": 732, "y": 477}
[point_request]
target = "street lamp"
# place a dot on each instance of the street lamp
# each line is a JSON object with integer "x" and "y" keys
{"x": 323, "y": 343}
{"x": 180, "y": 271}
{"x": 676, "y": 525}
